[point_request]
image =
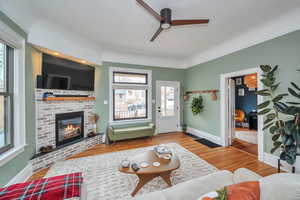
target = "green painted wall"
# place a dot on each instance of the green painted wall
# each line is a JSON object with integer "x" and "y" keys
{"x": 283, "y": 51}
{"x": 102, "y": 88}
{"x": 11, "y": 168}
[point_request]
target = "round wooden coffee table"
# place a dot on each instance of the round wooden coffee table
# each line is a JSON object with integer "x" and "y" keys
{"x": 147, "y": 174}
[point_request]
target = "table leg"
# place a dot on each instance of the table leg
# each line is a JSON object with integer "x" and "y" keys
{"x": 143, "y": 180}
{"x": 166, "y": 177}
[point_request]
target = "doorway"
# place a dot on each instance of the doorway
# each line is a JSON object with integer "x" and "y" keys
{"x": 240, "y": 125}
{"x": 244, "y": 100}
{"x": 167, "y": 106}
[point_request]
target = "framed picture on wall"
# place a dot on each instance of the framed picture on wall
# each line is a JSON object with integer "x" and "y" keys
{"x": 239, "y": 81}
{"x": 241, "y": 92}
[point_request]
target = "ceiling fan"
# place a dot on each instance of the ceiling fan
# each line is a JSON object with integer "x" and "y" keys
{"x": 165, "y": 19}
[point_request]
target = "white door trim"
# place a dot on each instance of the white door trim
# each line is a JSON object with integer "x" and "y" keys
{"x": 178, "y": 99}
{"x": 224, "y": 105}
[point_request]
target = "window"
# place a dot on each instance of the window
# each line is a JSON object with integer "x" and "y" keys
{"x": 130, "y": 104}
{"x": 130, "y": 78}
{"x": 167, "y": 95}
{"x": 130, "y": 94}
{"x": 6, "y": 97}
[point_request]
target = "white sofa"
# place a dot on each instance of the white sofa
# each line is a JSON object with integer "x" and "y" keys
{"x": 282, "y": 186}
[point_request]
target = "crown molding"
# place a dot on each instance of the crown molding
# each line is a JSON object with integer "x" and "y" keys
{"x": 49, "y": 35}
{"x": 280, "y": 26}
{"x": 136, "y": 59}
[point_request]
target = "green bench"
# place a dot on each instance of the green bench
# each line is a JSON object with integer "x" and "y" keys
{"x": 130, "y": 131}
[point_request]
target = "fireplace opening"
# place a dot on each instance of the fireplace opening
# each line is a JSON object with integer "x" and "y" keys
{"x": 69, "y": 127}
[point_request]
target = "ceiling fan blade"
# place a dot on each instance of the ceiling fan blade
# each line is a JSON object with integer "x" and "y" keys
{"x": 156, "y": 34}
{"x": 150, "y": 10}
{"x": 189, "y": 21}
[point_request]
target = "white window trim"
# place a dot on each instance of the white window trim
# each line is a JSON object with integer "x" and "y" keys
{"x": 15, "y": 40}
{"x": 148, "y": 86}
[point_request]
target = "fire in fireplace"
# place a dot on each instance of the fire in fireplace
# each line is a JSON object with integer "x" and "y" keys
{"x": 69, "y": 127}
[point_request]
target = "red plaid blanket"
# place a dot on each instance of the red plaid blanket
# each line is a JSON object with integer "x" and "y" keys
{"x": 54, "y": 188}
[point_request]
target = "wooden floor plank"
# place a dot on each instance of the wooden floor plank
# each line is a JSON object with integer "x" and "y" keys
{"x": 224, "y": 158}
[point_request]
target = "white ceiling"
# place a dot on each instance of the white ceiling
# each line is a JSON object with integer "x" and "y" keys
{"x": 123, "y": 26}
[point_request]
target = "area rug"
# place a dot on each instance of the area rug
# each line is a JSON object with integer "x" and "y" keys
{"x": 105, "y": 182}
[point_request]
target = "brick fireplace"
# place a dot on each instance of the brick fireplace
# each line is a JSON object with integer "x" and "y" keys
{"x": 63, "y": 125}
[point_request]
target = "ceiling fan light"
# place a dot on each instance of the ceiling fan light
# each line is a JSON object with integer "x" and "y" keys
{"x": 165, "y": 26}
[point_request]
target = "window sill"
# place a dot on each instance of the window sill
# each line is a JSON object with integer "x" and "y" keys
{"x": 9, "y": 155}
{"x": 134, "y": 121}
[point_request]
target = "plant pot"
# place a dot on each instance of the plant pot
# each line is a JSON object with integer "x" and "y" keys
{"x": 185, "y": 97}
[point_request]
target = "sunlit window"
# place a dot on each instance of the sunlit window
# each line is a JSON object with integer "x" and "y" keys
{"x": 130, "y": 78}
{"x": 130, "y": 93}
{"x": 130, "y": 104}
{"x": 167, "y": 101}
{"x": 6, "y": 97}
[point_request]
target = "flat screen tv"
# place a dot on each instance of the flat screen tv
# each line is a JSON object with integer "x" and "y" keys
{"x": 59, "y": 73}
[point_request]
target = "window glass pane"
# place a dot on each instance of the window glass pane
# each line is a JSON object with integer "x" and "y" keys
{"x": 130, "y": 104}
{"x": 2, "y": 68}
{"x": 131, "y": 78}
{"x": 167, "y": 101}
{"x": 3, "y": 137}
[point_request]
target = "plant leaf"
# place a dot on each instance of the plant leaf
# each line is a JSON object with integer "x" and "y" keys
{"x": 295, "y": 86}
{"x": 293, "y": 103}
{"x": 274, "y": 87}
{"x": 280, "y": 107}
{"x": 271, "y": 116}
{"x": 267, "y": 82}
{"x": 267, "y": 121}
{"x": 264, "y": 92}
{"x": 292, "y": 92}
{"x": 273, "y": 129}
{"x": 274, "y": 69}
{"x": 276, "y": 146}
{"x": 265, "y": 111}
{"x": 265, "y": 68}
{"x": 267, "y": 126}
{"x": 275, "y": 137}
{"x": 263, "y": 105}
{"x": 279, "y": 97}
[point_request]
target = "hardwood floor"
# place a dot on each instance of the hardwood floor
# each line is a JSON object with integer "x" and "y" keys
{"x": 224, "y": 158}
{"x": 245, "y": 146}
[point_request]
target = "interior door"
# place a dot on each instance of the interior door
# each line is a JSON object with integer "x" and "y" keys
{"x": 231, "y": 111}
{"x": 167, "y": 106}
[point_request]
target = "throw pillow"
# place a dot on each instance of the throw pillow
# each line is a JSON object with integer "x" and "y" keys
{"x": 241, "y": 191}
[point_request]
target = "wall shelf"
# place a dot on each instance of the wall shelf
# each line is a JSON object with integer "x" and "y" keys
{"x": 213, "y": 93}
{"x": 202, "y": 91}
{"x": 69, "y": 99}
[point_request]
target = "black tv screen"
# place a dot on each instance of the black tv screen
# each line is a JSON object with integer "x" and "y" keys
{"x": 59, "y": 73}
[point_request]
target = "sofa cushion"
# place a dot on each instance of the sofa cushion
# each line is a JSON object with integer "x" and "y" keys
{"x": 244, "y": 175}
{"x": 193, "y": 189}
{"x": 131, "y": 129}
{"x": 280, "y": 186}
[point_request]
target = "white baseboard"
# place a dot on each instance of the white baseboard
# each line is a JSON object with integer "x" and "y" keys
{"x": 272, "y": 160}
{"x": 202, "y": 134}
{"x": 22, "y": 176}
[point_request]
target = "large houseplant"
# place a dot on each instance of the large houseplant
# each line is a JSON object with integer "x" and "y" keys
{"x": 282, "y": 119}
